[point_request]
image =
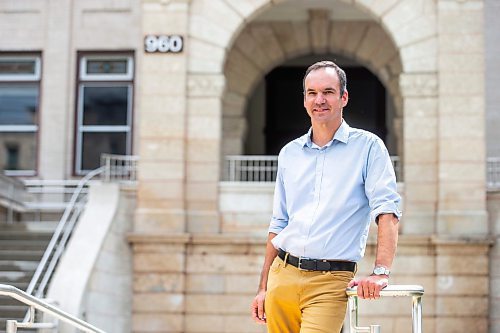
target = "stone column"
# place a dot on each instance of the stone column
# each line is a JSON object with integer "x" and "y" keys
{"x": 203, "y": 152}
{"x": 160, "y": 218}
{"x": 162, "y": 124}
{"x": 58, "y": 74}
{"x": 461, "y": 201}
{"x": 212, "y": 25}
{"x": 419, "y": 91}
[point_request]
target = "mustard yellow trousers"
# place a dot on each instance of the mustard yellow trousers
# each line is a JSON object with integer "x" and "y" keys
{"x": 305, "y": 301}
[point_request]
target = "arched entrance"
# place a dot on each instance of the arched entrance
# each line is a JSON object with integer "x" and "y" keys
{"x": 363, "y": 46}
{"x": 275, "y": 114}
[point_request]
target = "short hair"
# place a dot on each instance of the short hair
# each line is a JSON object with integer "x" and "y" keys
{"x": 327, "y": 64}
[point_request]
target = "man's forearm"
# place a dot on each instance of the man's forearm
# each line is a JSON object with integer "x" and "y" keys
{"x": 271, "y": 253}
{"x": 387, "y": 240}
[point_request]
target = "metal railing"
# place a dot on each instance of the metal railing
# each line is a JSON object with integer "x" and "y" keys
{"x": 414, "y": 291}
{"x": 37, "y": 304}
{"x": 120, "y": 168}
{"x": 115, "y": 168}
{"x": 46, "y": 195}
{"x": 493, "y": 173}
{"x": 263, "y": 168}
{"x": 398, "y": 169}
{"x": 13, "y": 195}
{"x": 60, "y": 237}
{"x": 251, "y": 168}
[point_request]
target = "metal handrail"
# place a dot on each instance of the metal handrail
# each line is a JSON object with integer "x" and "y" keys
{"x": 35, "y": 303}
{"x": 414, "y": 291}
{"x": 52, "y": 253}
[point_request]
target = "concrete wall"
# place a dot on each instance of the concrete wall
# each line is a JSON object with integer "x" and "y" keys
{"x": 108, "y": 298}
{"x": 93, "y": 278}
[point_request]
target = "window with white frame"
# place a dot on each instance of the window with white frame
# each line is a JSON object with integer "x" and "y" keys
{"x": 19, "y": 104}
{"x": 104, "y": 110}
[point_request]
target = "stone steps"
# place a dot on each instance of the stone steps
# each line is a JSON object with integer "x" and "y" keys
{"x": 22, "y": 245}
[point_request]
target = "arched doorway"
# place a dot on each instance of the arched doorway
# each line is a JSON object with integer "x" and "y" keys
{"x": 253, "y": 59}
{"x": 275, "y": 113}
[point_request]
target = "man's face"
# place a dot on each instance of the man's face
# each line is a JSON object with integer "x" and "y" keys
{"x": 322, "y": 98}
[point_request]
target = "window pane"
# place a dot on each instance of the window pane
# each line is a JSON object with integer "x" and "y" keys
{"x": 14, "y": 67}
{"x": 18, "y": 105}
{"x": 105, "y": 105}
{"x": 107, "y": 66}
{"x": 95, "y": 144}
{"x": 18, "y": 151}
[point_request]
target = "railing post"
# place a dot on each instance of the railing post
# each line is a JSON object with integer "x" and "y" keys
{"x": 416, "y": 314}
{"x": 10, "y": 211}
{"x": 415, "y": 291}
{"x": 11, "y": 326}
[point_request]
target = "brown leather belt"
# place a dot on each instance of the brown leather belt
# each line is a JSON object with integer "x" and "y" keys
{"x": 308, "y": 264}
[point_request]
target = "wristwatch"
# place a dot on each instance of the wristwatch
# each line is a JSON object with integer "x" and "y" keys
{"x": 381, "y": 270}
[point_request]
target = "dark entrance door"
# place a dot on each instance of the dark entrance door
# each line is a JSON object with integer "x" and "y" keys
{"x": 286, "y": 118}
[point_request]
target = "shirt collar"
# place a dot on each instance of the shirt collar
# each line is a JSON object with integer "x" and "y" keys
{"x": 342, "y": 135}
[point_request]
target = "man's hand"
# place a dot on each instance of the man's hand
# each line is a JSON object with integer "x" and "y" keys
{"x": 369, "y": 287}
{"x": 257, "y": 308}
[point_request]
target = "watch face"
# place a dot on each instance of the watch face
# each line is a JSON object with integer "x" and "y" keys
{"x": 380, "y": 270}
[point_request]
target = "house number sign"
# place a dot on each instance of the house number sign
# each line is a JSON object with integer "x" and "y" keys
{"x": 163, "y": 44}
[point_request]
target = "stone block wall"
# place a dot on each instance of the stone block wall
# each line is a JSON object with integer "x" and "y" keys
{"x": 204, "y": 284}
{"x": 493, "y": 203}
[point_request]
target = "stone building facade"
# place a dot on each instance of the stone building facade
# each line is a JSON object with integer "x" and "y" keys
{"x": 198, "y": 240}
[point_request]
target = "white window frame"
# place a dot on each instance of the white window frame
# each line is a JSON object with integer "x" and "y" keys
{"x": 22, "y": 78}
{"x": 128, "y": 76}
{"x": 103, "y": 80}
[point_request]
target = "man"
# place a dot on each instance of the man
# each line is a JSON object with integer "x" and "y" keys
{"x": 331, "y": 183}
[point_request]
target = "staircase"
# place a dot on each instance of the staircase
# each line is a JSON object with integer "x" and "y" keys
{"x": 24, "y": 242}
{"x": 22, "y": 245}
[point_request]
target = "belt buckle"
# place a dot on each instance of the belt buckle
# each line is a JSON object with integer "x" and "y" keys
{"x": 299, "y": 266}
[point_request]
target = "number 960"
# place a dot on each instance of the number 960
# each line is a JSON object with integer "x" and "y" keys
{"x": 163, "y": 43}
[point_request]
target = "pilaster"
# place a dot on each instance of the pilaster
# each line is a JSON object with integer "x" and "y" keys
{"x": 162, "y": 125}
{"x": 461, "y": 198}
{"x": 419, "y": 92}
{"x": 57, "y": 69}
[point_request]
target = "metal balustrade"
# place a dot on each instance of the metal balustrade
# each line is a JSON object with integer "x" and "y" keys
{"x": 493, "y": 173}
{"x": 119, "y": 168}
{"x": 37, "y": 304}
{"x": 12, "y": 196}
{"x": 416, "y": 292}
{"x": 251, "y": 168}
{"x": 60, "y": 237}
{"x": 263, "y": 168}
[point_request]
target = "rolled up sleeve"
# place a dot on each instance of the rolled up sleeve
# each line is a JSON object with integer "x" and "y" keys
{"x": 279, "y": 219}
{"x": 380, "y": 183}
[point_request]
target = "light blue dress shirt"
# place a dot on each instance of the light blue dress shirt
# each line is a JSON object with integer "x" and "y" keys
{"x": 325, "y": 197}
